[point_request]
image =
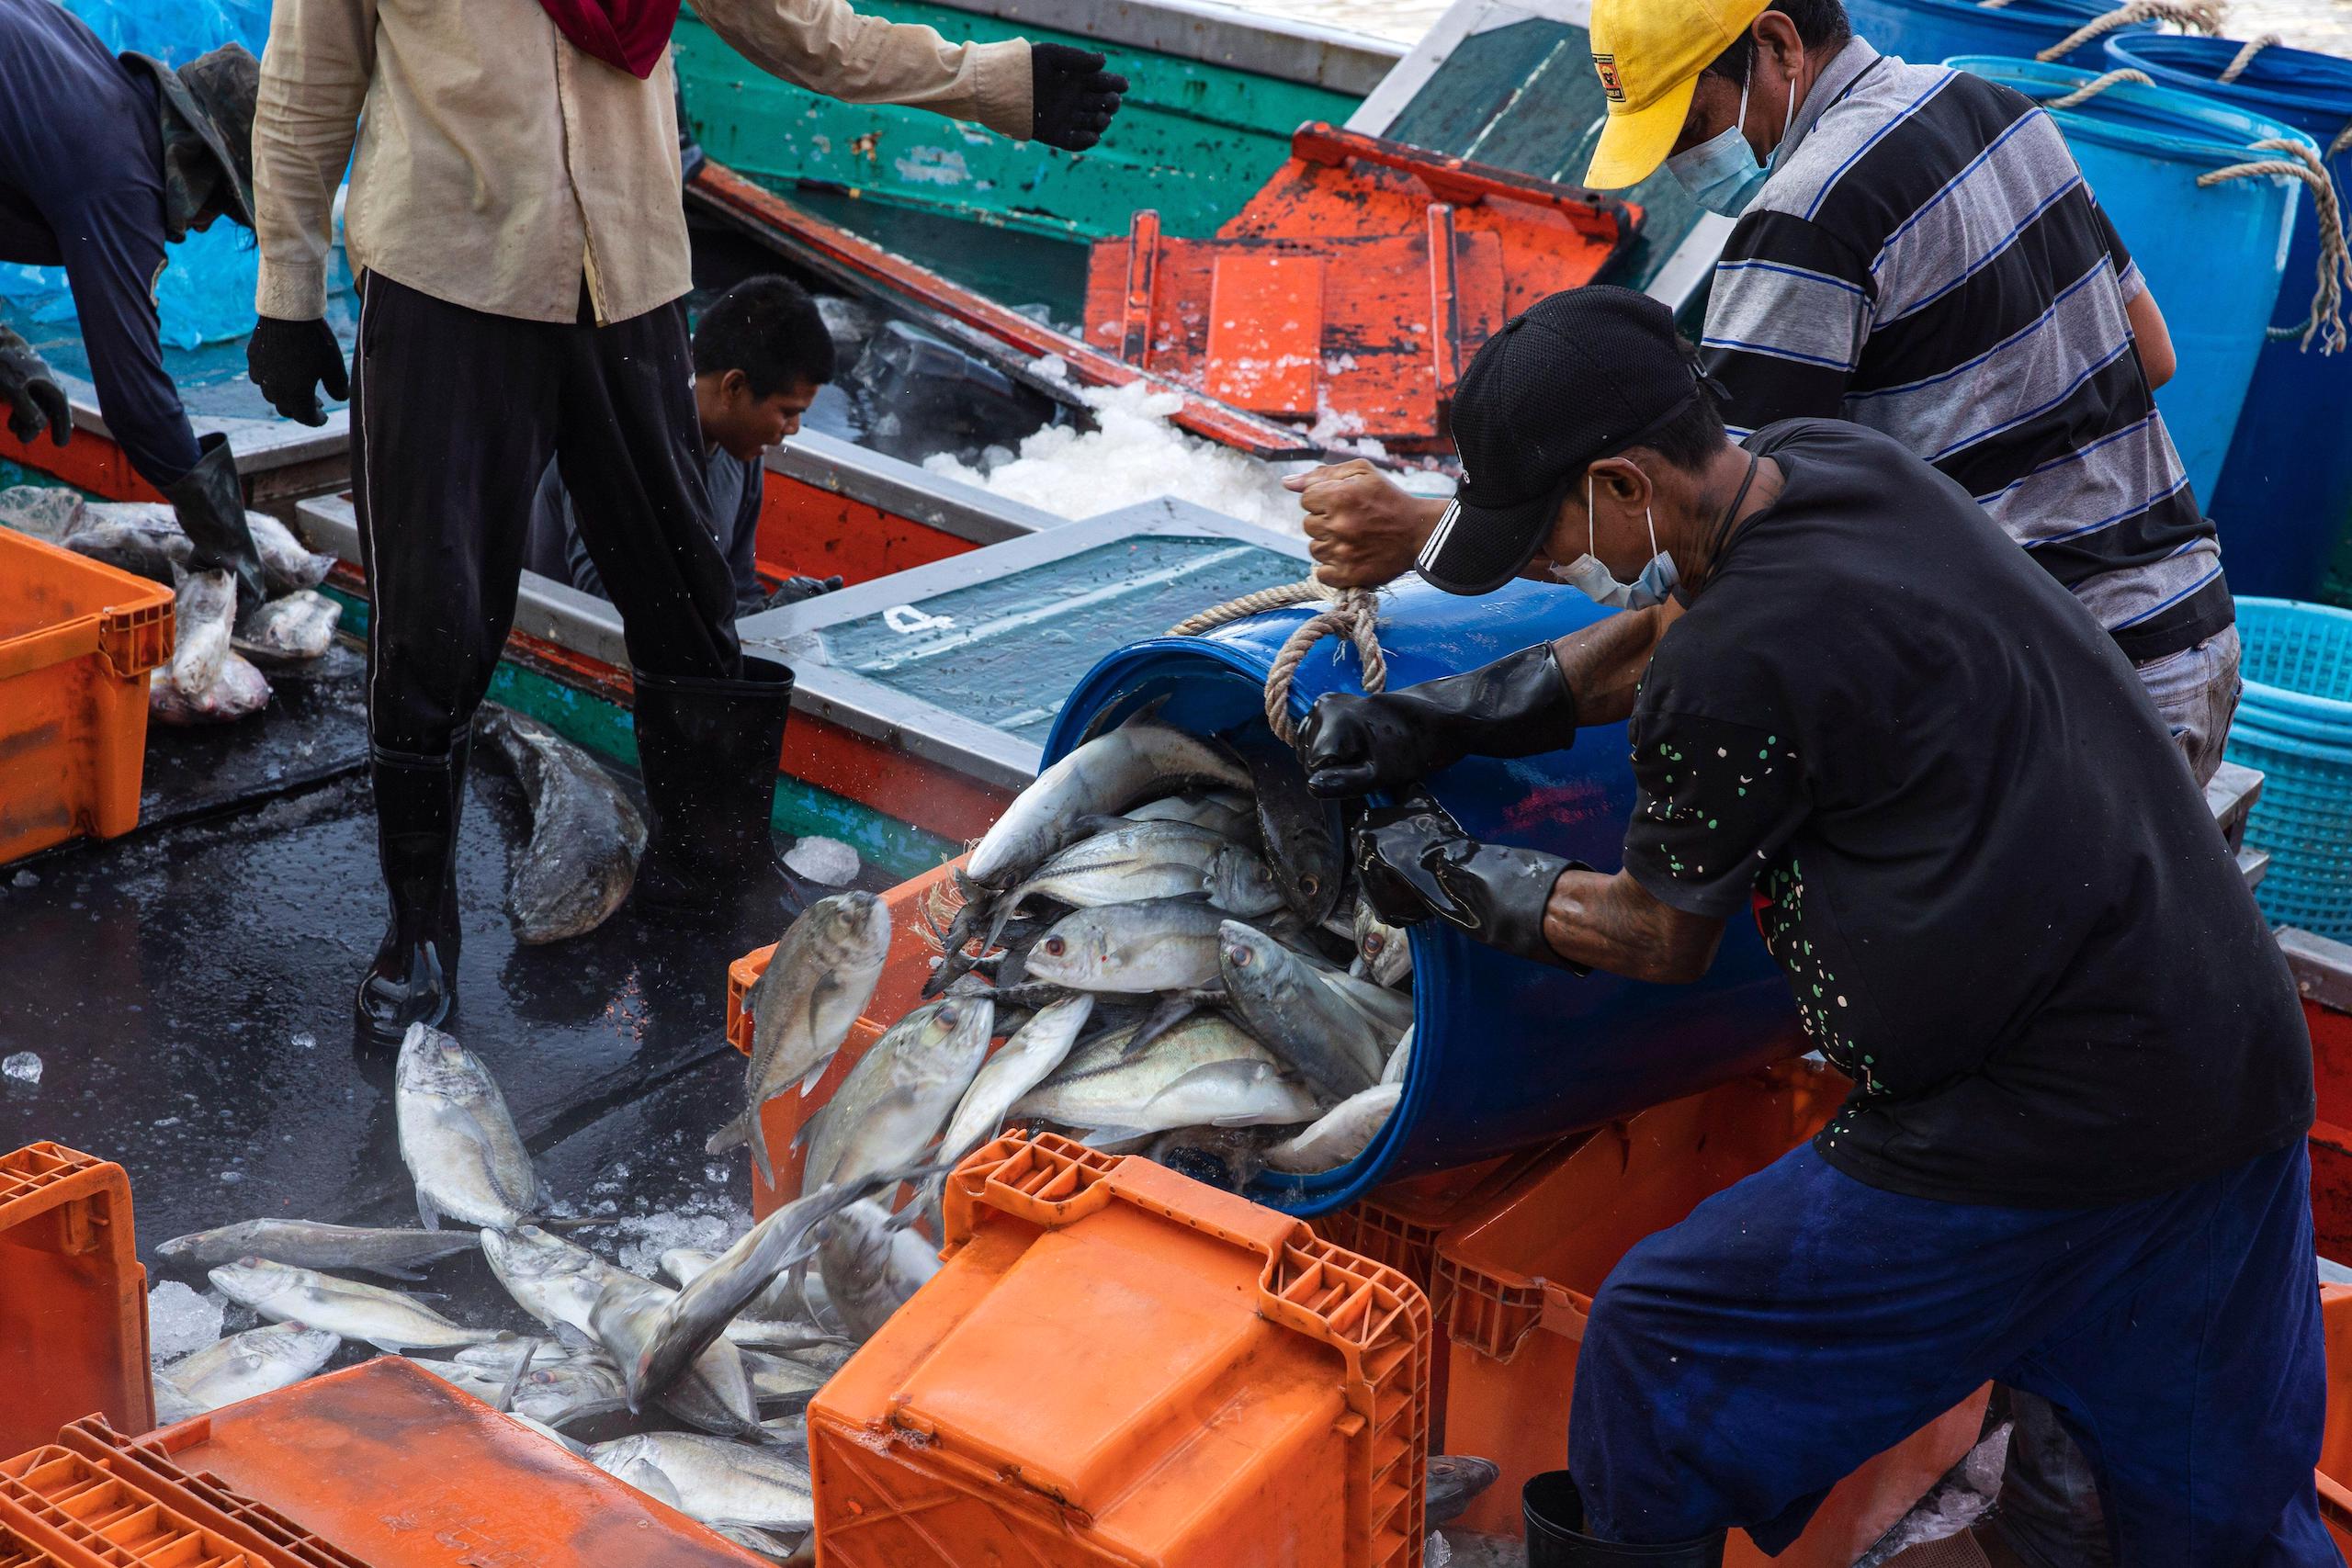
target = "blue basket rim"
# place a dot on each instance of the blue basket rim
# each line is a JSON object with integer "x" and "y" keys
{"x": 2177, "y": 60}
{"x": 2334, "y": 712}
{"x": 2224, "y": 134}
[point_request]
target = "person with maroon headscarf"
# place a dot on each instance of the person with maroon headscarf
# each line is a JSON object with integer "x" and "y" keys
{"x": 514, "y": 217}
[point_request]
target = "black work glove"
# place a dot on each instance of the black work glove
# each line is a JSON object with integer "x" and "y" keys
{"x": 289, "y": 361}
{"x": 1514, "y": 707}
{"x": 1072, "y": 98}
{"x": 35, "y": 399}
{"x": 792, "y": 590}
{"x": 210, "y": 502}
{"x": 1414, "y": 861}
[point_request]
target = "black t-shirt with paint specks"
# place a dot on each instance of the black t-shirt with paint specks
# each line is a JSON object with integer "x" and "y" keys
{"x": 1998, "y": 895}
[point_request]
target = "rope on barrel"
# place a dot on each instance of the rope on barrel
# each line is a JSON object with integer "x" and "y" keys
{"x": 2245, "y": 57}
{"x": 2195, "y": 15}
{"x": 2096, "y": 85}
{"x": 1350, "y": 613}
{"x": 2303, "y": 163}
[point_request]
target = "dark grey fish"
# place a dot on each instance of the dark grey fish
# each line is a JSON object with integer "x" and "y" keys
{"x": 585, "y": 834}
{"x": 1285, "y": 1004}
{"x": 1302, "y": 850}
{"x": 1453, "y": 1480}
{"x": 305, "y": 1244}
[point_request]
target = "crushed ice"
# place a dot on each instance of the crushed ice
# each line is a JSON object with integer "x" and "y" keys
{"x": 24, "y": 1066}
{"x": 180, "y": 1321}
{"x": 822, "y": 860}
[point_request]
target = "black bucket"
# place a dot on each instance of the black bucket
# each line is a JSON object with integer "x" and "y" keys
{"x": 1554, "y": 1510}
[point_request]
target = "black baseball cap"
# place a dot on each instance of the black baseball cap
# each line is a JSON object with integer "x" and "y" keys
{"x": 1575, "y": 378}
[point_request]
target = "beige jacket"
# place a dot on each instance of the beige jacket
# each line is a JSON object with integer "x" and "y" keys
{"x": 498, "y": 163}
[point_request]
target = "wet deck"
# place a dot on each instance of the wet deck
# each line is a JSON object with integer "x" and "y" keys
{"x": 188, "y": 991}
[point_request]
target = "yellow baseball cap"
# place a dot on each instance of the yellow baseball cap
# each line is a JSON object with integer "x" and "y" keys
{"x": 1649, "y": 54}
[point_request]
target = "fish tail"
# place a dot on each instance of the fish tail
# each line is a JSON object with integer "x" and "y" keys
{"x": 728, "y": 1137}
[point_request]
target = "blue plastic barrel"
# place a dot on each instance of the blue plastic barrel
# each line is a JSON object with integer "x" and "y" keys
{"x": 2286, "y": 485}
{"x": 2212, "y": 257}
{"x": 1924, "y": 31}
{"x": 1506, "y": 1052}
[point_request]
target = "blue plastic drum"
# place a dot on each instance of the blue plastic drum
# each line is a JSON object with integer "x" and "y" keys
{"x": 2212, "y": 255}
{"x": 2286, "y": 486}
{"x": 1924, "y": 31}
{"x": 1506, "y": 1052}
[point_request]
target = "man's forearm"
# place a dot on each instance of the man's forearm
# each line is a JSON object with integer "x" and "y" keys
{"x": 828, "y": 47}
{"x": 1603, "y": 663}
{"x": 1614, "y": 923}
{"x": 314, "y": 78}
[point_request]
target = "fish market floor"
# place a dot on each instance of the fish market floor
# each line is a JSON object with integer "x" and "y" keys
{"x": 188, "y": 988}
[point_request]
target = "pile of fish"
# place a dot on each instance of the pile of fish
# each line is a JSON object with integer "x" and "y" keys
{"x": 1162, "y": 930}
{"x": 216, "y": 673}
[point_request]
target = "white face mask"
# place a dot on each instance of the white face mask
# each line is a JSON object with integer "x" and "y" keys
{"x": 1590, "y": 576}
{"x": 1721, "y": 173}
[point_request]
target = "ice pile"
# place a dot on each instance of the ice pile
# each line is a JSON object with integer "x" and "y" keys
{"x": 1134, "y": 455}
{"x": 180, "y": 1320}
{"x": 24, "y": 1066}
{"x": 826, "y": 860}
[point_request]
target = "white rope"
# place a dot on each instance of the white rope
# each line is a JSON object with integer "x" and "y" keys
{"x": 2326, "y": 320}
{"x": 2197, "y": 16}
{"x": 1350, "y": 613}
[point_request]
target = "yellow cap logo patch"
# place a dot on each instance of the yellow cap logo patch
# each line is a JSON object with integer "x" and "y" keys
{"x": 1607, "y": 65}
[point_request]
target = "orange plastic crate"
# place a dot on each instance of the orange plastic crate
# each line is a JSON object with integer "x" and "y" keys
{"x": 1514, "y": 1285}
{"x": 914, "y": 906}
{"x": 73, "y": 1513}
{"x": 1119, "y": 1365}
{"x": 78, "y": 640}
{"x": 72, "y": 1297}
{"x": 2334, "y": 1475}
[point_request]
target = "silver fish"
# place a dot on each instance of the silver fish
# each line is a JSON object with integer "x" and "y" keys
{"x": 294, "y": 630}
{"x": 775, "y": 1546}
{"x": 1193, "y": 1074}
{"x": 306, "y": 1244}
{"x": 1159, "y": 944}
{"x": 661, "y": 1348}
{"x": 1293, "y": 825}
{"x": 457, "y": 1139}
{"x": 821, "y": 978}
{"x": 386, "y": 1319}
{"x": 275, "y": 1356}
{"x": 571, "y": 1444}
{"x": 1227, "y": 811}
{"x": 1389, "y": 1012}
{"x": 586, "y": 835}
{"x": 776, "y": 1304}
{"x": 238, "y": 690}
{"x": 206, "y": 682}
{"x": 1340, "y": 1135}
{"x": 1384, "y": 953}
{"x": 718, "y": 1480}
{"x": 899, "y": 1093}
{"x": 570, "y": 1389}
{"x": 871, "y": 1266}
{"x": 145, "y": 538}
{"x": 783, "y": 1382}
{"x": 1024, "y": 1062}
{"x": 1149, "y": 860}
{"x": 1286, "y": 1004}
{"x": 172, "y": 1405}
{"x": 708, "y": 1388}
{"x": 553, "y": 1279}
{"x": 1400, "y": 1060}
{"x": 1102, "y": 777}
{"x": 1453, "y": 1480}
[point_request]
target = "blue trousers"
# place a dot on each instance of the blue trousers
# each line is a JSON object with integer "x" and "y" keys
{"x": 1739, "y": 1365}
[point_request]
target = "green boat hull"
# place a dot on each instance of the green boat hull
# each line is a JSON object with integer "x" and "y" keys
{"x": 1193, "y": 142}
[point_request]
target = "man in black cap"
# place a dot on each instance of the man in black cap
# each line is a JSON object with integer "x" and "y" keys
{"x": 104, "y": 160}
{"x": 2072, "y": 1159}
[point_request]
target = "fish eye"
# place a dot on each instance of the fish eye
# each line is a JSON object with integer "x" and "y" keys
{"x": 1241, "y": 956}
{"x": 1310, "y": 886}
{"x": 1055, "y": 946}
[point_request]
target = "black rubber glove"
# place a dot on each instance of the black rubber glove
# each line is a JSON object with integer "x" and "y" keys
{"x": 792, "y": 590}
{"x": 289, "y": 361}
{"x": 35, "y": 399}
{"x": 1514, "y": 707}
{"x": 1072, "y": 98}
{"x": 210, "y": 505}
{"x": 1414, "y": 861}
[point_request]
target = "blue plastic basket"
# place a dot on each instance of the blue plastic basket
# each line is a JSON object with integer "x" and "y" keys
{"x": 2295, "y": 724}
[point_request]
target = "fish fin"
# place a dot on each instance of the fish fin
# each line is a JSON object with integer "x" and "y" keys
{"x": 809, "y": 1084}
{"x": 755, "y": 1129}
{"x": 569, "y": 1222}
{"x": 730, "y": 1136}
{"x": 1096, "y": 822}
{"x": 1170, "y": 1011}
{"x": 1101, "y": 1136}
{"x": 571, "y": 1336}
{"x": 389, "y": 1273}
{"x": 505, "y": 1400}
{"x": 426, "y": 1214}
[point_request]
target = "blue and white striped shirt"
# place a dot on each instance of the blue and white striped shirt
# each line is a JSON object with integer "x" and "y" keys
{"x": 1926, "y": 260}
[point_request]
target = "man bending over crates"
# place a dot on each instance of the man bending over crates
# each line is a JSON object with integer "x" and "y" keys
{"x": 2072, "y": 1159}
{"x": 515, "y": 220}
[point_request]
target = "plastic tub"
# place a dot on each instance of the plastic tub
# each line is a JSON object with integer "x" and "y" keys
{"x": 1507, "y": 1052}
{"x": 2286, "y": 486}
{"x": 1220, "y": 1389}
{"x": 2212, "y": 257}
{"x": 2295, "y": 724}
{"x": 1515, "y": 1284}
{"x": 72, "y": 1297}
{"x": 78, "y": 640}
{"x": 1924, "y": 31}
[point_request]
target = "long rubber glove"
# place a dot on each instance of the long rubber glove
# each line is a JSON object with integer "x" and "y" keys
{"x": 1516, "y": 707}
{"x": 1415, "y": 862}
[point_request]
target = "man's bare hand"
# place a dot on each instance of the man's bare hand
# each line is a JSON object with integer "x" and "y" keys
{"x": 1362, "y": 530}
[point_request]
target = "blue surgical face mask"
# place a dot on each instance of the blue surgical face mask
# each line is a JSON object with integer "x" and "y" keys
{"x": 1590, "y": 576}
{"x": 1721, "y": 173}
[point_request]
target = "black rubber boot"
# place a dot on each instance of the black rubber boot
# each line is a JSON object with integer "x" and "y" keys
{"x": 414, "y": 977}
{"x": 708, "y": 750}
{"x": 211, "y": 506}
{"x": 1554, "y": 1510}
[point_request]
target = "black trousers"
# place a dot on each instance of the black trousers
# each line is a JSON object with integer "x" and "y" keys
{"x": 454, "y": 415}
